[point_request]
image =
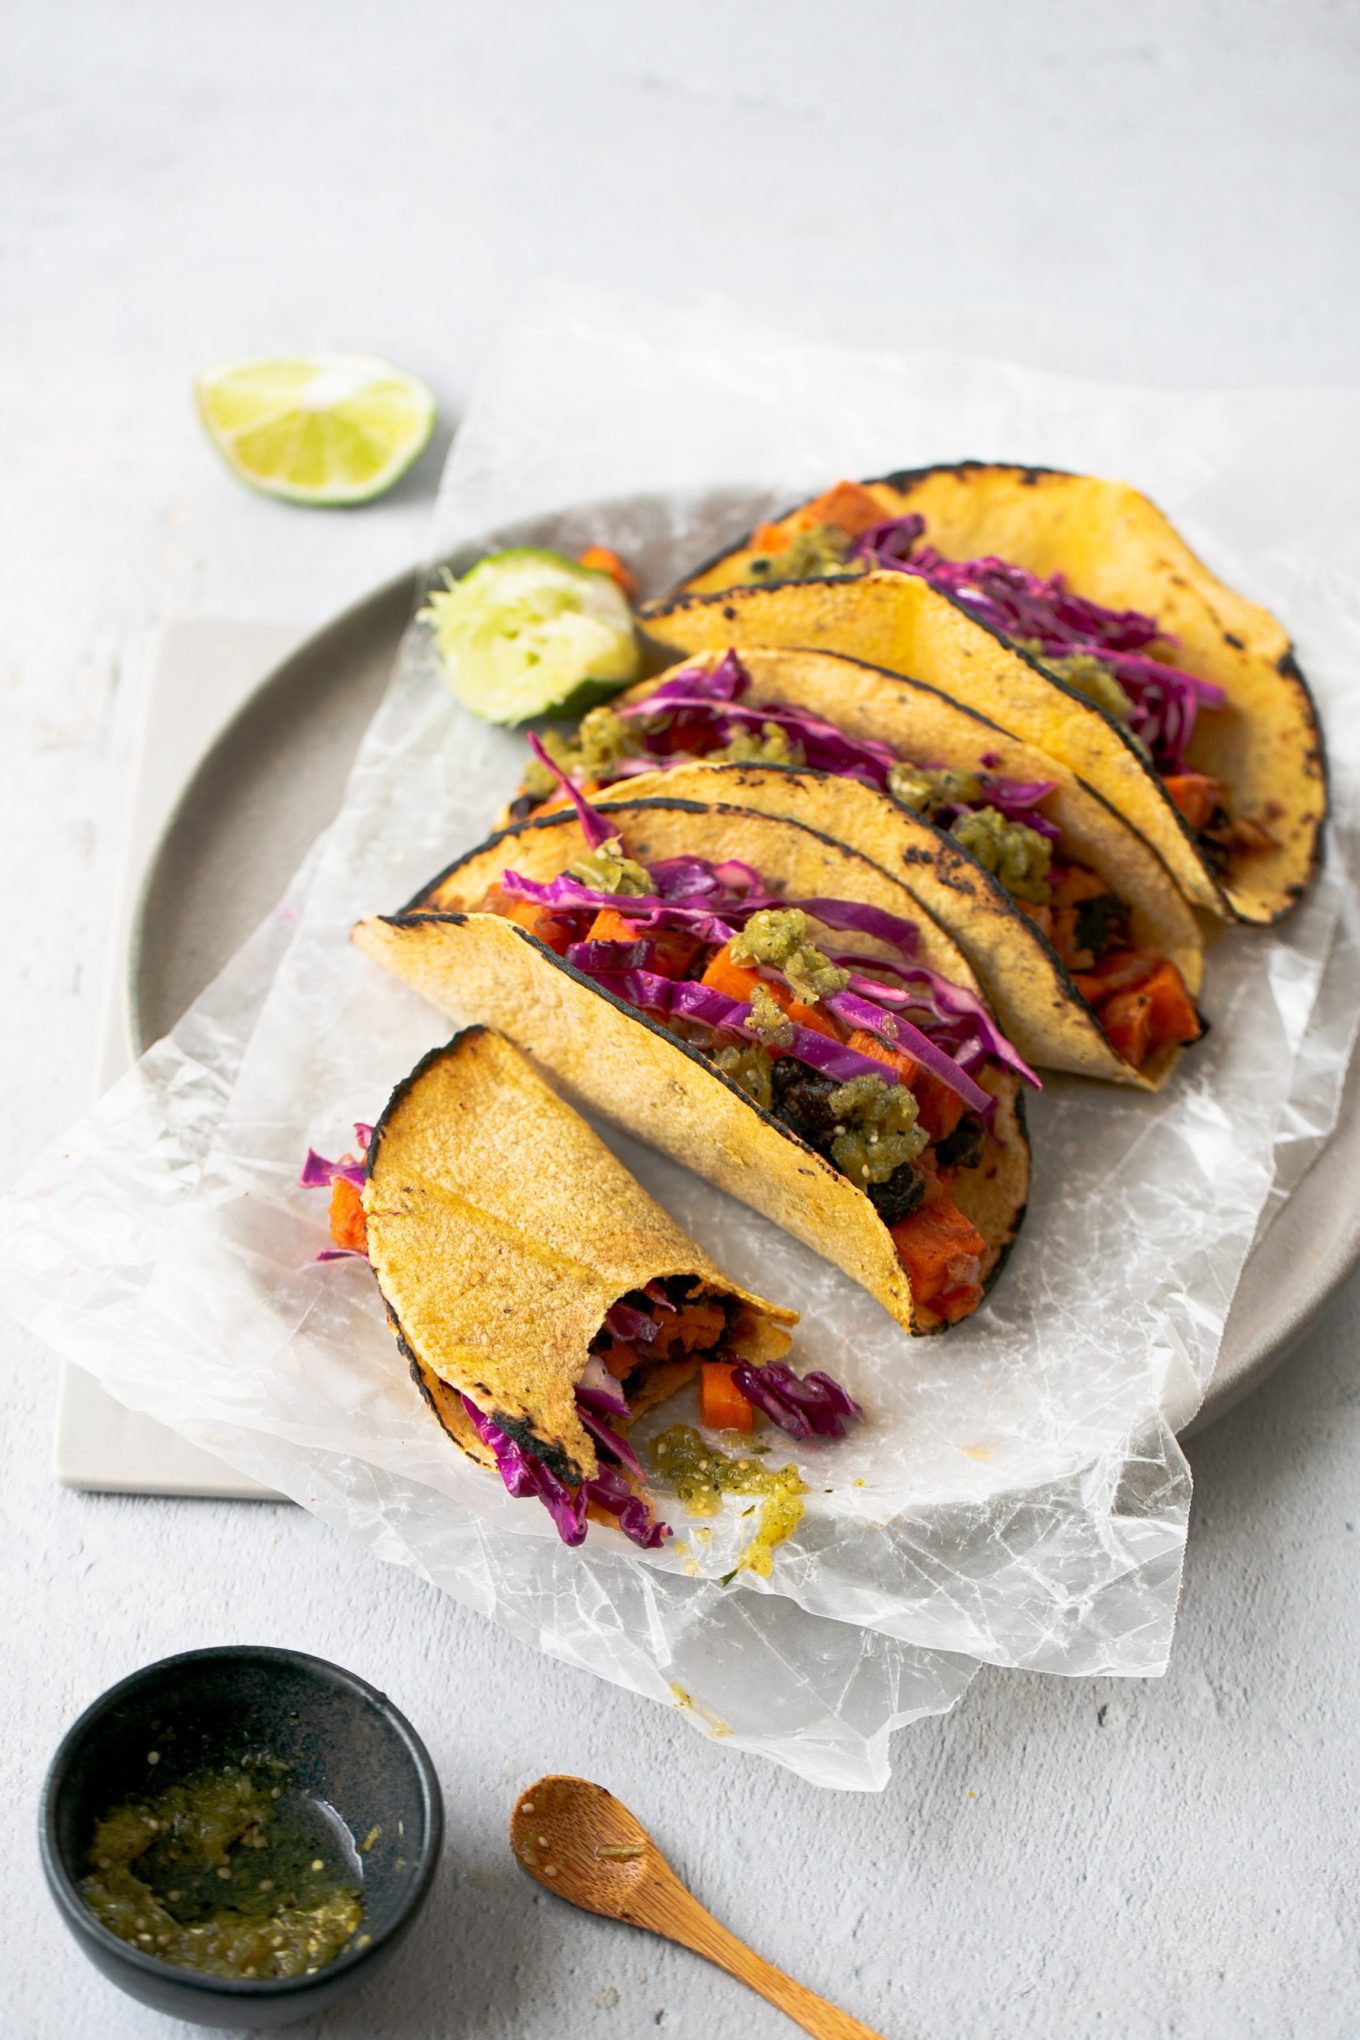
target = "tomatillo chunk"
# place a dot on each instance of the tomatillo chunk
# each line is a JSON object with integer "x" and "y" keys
{"x": 528, "y": 632}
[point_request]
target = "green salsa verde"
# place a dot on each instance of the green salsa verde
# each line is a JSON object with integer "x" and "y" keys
{"x": 231, "y": 1872}
{"x": 701, "y": 1475}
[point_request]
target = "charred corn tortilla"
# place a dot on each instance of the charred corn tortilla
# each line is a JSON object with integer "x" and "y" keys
{"x": 501, "y": 1230}
{"x": 1115, "y": 547}
{"x": 622, "y": 1064}
{"x": 1025, "y": 982}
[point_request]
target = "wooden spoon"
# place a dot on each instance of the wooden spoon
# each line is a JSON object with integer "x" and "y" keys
{"x": 582, "y": 1843}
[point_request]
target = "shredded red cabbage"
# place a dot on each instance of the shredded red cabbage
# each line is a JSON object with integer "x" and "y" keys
{"x": 319, "y": 1174}
{"x": 524, "y": 1473}
{"x": 1017, "y": 800}
{"x": 634, "y": 1326}
{"x": 606, "y": 1436}
{"x": 650, "y": 910}
{"x": 733, "y": 873}
{"x": 889, "y": 542}
{"x": 946, "y": 1002}
{"x": 591, "y": 957}
{"x": 824, "y": 747}
{"x": 520, "y": 1470}
{"x": 714, "y": 916}
{"x": 939, "y": 1001}
{"x": 813, "y": 1406}
{"x": 601, "y": 1404}
{"x": 680, "y": 884}
{"x": 684, "y": 878}
{"x": 1164, "y": 698}
{"x": 612, "y": 1492}
{"x": 900, "y": 1032}
{"x": 595, "y": 829}
{"x": 1018, "y": 794}
{"x": 603, "y": 1388}
{"x": 727, "y": 681}
{"x": 700, "y": 1002}
{"x": 709, "y": 707}
{"x": 854, "y": 917}
{"x": 679, "y": 878}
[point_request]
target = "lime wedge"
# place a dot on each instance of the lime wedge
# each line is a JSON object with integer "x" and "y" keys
{"x": 527, "y": 633}
{"x": 316, "y": 428}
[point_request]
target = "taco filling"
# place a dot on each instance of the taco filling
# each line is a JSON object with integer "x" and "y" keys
{"x": 390, "y": 1202}
{"x": 874, "y": 1063}
{"x": 1122, "y": 660}
{"x": 652, "y": 1343}
{"x": 1139, "y": 996}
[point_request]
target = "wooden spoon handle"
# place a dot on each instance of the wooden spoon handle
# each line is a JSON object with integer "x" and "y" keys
{"x": 695, "y": 1928}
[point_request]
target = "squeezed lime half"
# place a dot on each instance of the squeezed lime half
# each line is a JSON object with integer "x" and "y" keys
{"x": 529, "y": 632}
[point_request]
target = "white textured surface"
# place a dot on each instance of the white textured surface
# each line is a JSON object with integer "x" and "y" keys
{"x": 1167, "y": 195}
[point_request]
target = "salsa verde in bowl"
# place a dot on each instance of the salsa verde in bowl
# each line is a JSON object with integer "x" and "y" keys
{"x": 239, "y": 1836}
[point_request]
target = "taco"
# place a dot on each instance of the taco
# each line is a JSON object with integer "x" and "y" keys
{"x": 1070, "y": 611}
{"x": 759, "y": 1002}
{"x": 542, "y": 1299}
{"x": 1086, "y": 951}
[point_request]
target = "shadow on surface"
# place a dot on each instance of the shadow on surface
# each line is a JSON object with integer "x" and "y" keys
{"x": 475, "y": 1956}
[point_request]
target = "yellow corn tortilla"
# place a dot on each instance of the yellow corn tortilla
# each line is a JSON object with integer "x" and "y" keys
{"x": 1115, "y": 547}
{"x": 501, "y": 1230}
{"x": 1027, "y": 986}
{"x": 622, "y": 1064}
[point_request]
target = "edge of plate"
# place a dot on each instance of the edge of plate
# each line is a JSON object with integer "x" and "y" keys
{"x": 312, "y": 646}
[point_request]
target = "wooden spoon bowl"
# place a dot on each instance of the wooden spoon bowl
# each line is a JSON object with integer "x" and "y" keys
{"x": 582, "y": 1843}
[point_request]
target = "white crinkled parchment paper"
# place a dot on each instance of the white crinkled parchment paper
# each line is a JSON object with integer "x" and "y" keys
{"x": 1016, "y": 1495}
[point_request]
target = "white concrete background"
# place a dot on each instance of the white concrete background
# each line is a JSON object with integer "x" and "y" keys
{"x": 1168, "y": 194}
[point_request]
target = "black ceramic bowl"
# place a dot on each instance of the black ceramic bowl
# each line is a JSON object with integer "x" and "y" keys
{"x": 343, "y": 1742}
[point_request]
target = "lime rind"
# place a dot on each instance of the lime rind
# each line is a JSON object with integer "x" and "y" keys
{"x": 330, "y": 430}
{"x": 528, "y": 632}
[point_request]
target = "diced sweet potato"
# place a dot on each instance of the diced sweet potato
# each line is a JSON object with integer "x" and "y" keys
{"x": 1122, "y": 971}
{"x": 737, "y": 980}
{"x": 674, "y": 949}
{"x": 611, "y": 926}
{"x": 865, "y": 1043}
{"x": 722, "y": 1406}
{"x": 847, "y": 505}
{"x": 941, "y": 1251}
{"x": 697, "y": 1326}
{"x": 555, "y": 931}
{"x": 1127, "y": 1021}
{"x": 1195, "y": 794}
{"x": 1173, "y": 1012}
{"x": 348, "y": 1226}
{"x": 940, "y": 1108}
{"x": 606, "y": 561}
